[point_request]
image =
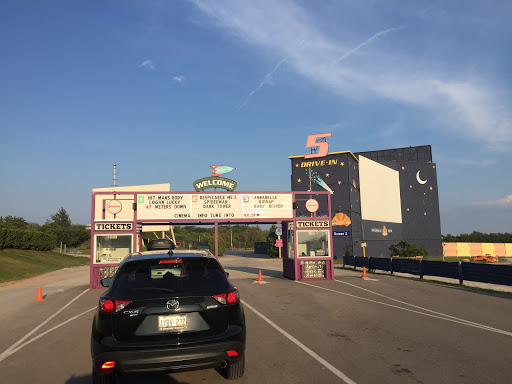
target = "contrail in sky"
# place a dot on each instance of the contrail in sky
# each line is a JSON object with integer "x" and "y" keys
{"x": 366, "y": 42}
{"x": 265, "y": 80}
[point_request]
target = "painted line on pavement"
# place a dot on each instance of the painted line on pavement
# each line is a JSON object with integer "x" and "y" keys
{"x": 6, "y": 353}
{"x": 422, "y": 308}
{"x": 13, "y": 351}
{"x": 314, "y": 355}
{"x": 484, "y": 327}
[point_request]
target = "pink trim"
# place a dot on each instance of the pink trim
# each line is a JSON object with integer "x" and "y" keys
{"x": 217, "y": 240}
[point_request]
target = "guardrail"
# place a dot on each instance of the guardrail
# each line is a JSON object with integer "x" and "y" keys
{"x": 483, "y": 273}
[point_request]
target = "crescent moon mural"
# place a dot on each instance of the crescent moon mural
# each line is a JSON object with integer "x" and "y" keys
{"x": 418, "y": 178}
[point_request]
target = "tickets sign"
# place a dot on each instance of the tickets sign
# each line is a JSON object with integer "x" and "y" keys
{"x": 313, "y": 224}
{"x": 213, "y": 206}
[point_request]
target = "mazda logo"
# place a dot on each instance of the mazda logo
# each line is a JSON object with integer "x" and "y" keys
{"x": 173, "y": 304}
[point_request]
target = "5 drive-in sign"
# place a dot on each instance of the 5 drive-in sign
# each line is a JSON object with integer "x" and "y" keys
{"x": 113, "y": 226}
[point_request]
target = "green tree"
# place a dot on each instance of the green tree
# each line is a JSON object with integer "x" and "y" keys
{"x": 14, "y": 222}
{"x": 61, "y": 218}
{"x": 271, "y": 241}
{"x": 479, "y": 237}
{"x": 405, "y": 249}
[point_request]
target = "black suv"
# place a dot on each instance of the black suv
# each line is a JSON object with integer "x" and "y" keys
{"x": 168, "y": 311}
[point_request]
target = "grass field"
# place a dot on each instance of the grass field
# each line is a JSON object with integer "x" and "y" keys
{"x": 19, "y": 264}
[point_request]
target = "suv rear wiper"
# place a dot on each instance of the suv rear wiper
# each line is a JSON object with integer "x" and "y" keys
{"x": 155, "y": 289}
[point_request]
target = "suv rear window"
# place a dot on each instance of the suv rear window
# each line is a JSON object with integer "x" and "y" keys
{"x": 185, "y": 276}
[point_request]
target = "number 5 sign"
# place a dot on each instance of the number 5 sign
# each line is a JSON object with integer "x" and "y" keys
{"x": 323, "y": 146}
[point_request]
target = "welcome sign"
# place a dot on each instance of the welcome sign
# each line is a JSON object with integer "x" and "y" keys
{"x": 214, "y": 182}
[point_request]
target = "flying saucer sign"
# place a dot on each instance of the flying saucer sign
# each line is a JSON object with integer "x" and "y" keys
{"x": 215, "y": 181}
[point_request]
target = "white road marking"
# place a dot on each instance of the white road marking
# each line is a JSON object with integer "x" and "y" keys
{"x": 322, "y": 361}
{"x": 6, "y": 352}
{"x": 13, "y": 351}
{"x": 422, "y": 308}
{"x": 444, "y": 317}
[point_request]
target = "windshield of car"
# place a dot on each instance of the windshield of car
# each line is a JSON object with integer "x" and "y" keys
{"x": 189, "y": 276}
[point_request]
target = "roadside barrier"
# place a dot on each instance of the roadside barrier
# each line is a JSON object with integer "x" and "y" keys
{"x": 483, "y": 273}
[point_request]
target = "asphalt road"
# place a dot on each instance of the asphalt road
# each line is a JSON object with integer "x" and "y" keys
{"x": 384, "y": 330}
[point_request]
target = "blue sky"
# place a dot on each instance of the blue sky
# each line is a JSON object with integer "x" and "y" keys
{"x": 167, "y": 88}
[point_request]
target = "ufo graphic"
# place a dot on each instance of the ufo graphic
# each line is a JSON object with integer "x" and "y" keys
{"x": 218, "y": 170}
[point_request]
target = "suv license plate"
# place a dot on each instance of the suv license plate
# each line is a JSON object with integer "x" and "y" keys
{"x": 172, "y": 322}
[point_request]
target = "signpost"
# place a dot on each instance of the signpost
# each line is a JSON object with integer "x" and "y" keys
{"x": 364, "y": 248}
{"x": 279, "y": 241}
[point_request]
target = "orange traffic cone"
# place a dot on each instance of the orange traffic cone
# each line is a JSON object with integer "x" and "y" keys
{"x": 260, "y": 278}
{"x": 364, "y": 273}
{"x": 39, "y": 295}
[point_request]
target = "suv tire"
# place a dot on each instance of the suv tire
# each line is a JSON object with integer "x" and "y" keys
{"x": 103, "y": 379}
{"x": 235, "y": 369}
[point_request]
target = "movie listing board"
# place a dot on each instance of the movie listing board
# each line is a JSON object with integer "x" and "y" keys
{"x": 314, "y": 269}
{"x": 222, "y": 206}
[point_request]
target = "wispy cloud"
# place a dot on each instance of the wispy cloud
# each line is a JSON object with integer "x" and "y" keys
{"x": 266, "y": 80}
{"x": 505, "y": 202}
{"x": 178, "y": 79}
{"x": 366, "y": 42}
{"x": 147, "y": 64}
{"x": 467, "y": 105}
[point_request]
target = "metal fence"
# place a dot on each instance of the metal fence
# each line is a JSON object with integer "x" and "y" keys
{"x": 484, "y": 273}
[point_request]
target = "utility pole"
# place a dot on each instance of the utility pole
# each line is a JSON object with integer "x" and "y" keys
{"x": 114, "y": 179}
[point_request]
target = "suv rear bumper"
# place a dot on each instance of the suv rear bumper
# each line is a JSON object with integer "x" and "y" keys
{"x": 172, "y": 358}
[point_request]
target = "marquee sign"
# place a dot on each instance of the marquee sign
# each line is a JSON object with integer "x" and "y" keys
{"x": 213, "y": 206}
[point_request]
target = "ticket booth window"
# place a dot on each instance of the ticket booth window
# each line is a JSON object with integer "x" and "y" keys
{"x": 111, "y": 249}
{"x": 313, "y": 244}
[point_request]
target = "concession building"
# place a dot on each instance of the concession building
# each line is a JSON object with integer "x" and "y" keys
{"x": 377, "y": 197}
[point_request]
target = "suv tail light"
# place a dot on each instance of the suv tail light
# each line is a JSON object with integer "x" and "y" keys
{"x": 171, "y": 261}
{"x": 108, "y": 305}
{"x": 110, "y": 364}
{"x": 228, "y": 298}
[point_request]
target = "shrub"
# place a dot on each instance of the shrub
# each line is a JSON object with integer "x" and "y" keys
{"x": 405, "y": 249}
{"x": 71, "y": 236}
{"x": 26, "y": 239}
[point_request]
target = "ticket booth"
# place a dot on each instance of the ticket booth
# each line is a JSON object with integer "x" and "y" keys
{"x": 309, "y": 253}
{"x": 308, "y": 247}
